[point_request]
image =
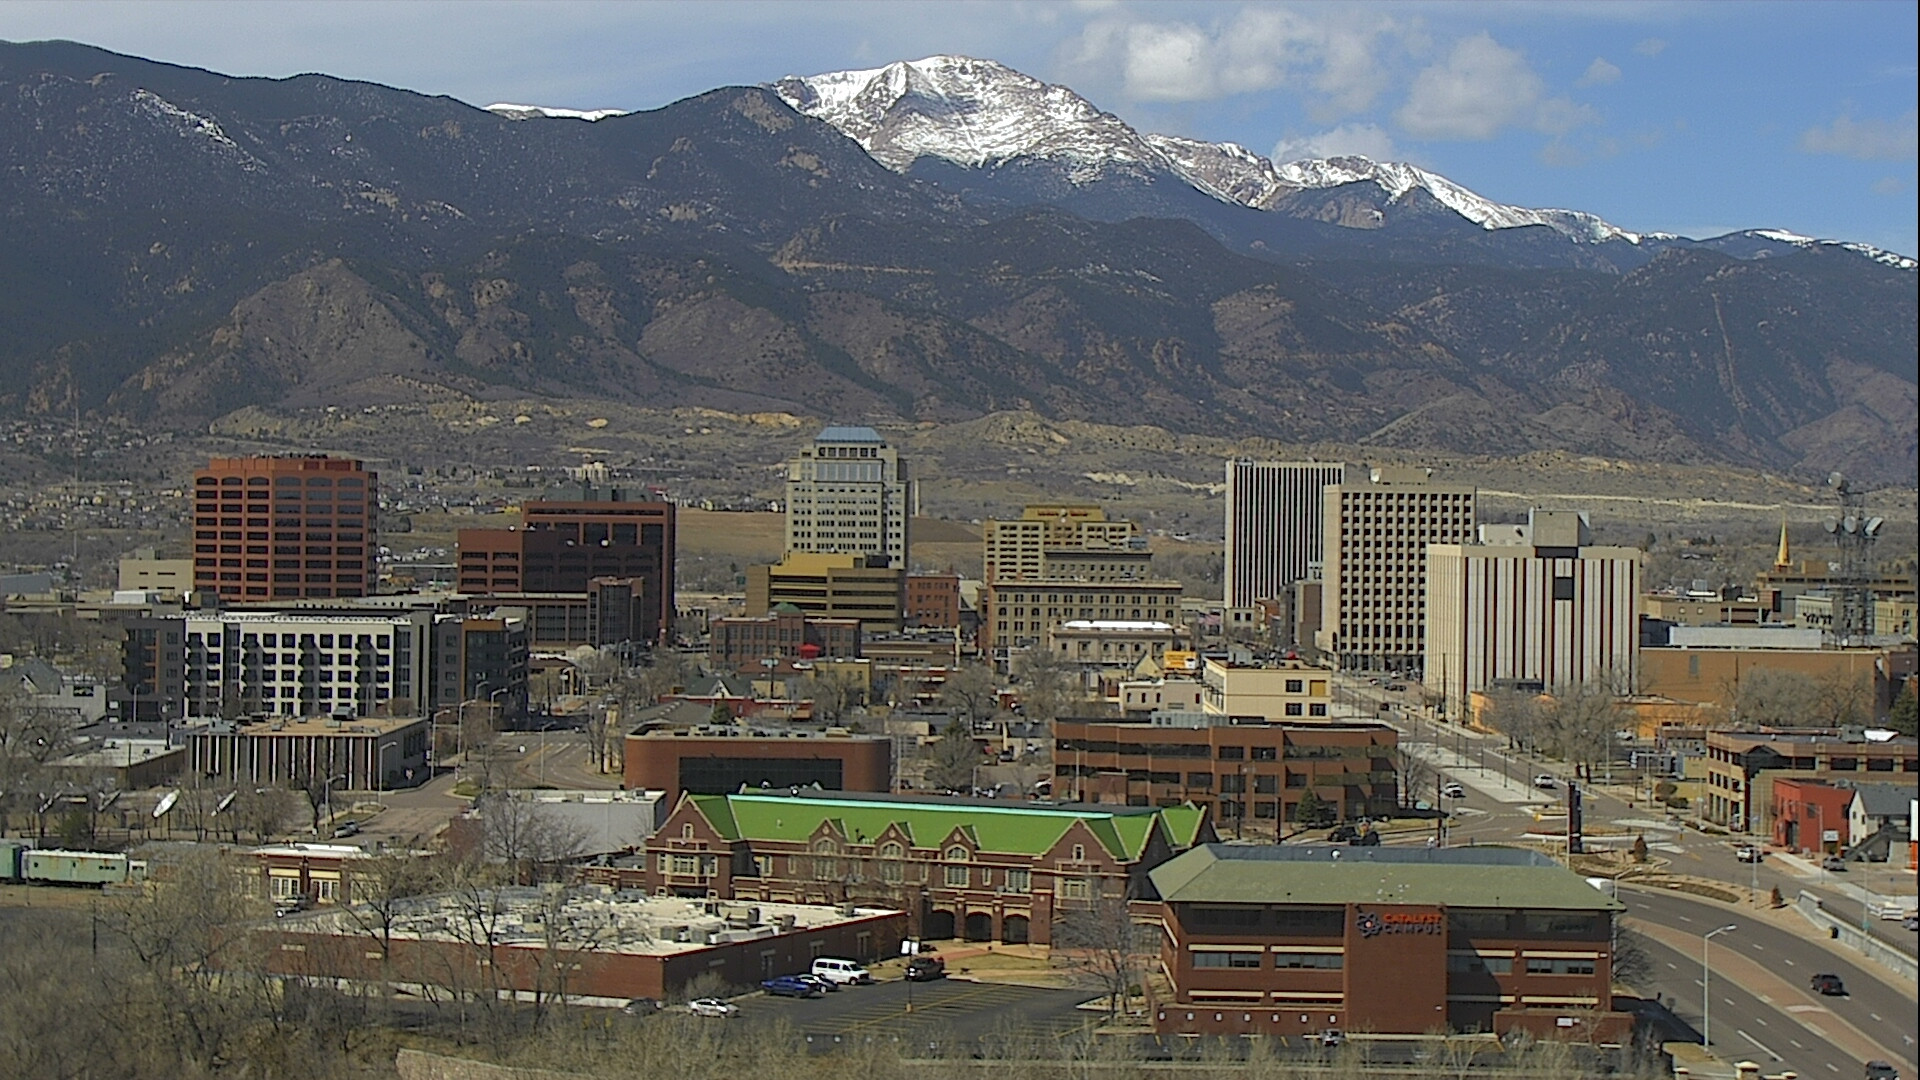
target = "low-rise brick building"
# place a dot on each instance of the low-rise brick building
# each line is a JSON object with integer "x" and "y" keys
{"x": 1295, "y": 940}
{"x": 706, "y": 762}
{"x": 1250, "y": 775}
{"x": 1742, "y": 766}
{"x": 979, "y": 869}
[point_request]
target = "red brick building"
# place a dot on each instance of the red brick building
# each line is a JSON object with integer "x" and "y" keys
{"x": 977, "y": 869}
{"x": 562, "y": 546}
{"x": 739, "y": 643}
{"x": 933, "y": 601}
{"x": 1806, "y": 812}
{"x": 272, "y": 528}
{"x": 1251, "y": 777}
{"x": 1293, "y": 940}
{"x": 706, "y": 764}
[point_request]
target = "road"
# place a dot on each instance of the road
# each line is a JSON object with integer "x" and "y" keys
{"x": 1764, "y": 969}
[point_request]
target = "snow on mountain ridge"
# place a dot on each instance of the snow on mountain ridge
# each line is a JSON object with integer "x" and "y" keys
{"x": 537, "y": 112}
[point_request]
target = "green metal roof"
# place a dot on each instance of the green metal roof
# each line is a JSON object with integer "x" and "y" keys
{"x": 1015, "y": 828}
{"x": 1478, "y": 877}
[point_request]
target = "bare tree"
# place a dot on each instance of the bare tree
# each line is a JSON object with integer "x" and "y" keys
{"x": 973, "y": 692}
{"x": 1515, "y": 714}
{"x": 952, "y": 760}
{"x": 834, "y": 693}
{"x": 1771, "y": 697}
{"x": 262, "y": 811}
{"x": 527, "y": 837}
{"x": 1046, "y": 684}
{"x": 1580, "y": 723}
{"x": 381, "y": 889}
{"x": 1100, "y": 939}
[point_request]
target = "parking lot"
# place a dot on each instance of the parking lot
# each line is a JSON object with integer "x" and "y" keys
{"x": 943, "y": 1011}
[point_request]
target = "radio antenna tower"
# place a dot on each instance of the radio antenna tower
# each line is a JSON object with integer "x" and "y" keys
{"x": 1854, "y": 534}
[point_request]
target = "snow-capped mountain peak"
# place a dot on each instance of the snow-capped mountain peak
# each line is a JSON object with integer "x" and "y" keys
{"x": 540, "y": 112}
{"x": 974, "y": 113}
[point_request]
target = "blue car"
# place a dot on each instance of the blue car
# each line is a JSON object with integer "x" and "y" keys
{"x": 791, "y": 986}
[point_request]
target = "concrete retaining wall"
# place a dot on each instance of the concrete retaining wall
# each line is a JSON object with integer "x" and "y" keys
{"x": 1873, "y": 948}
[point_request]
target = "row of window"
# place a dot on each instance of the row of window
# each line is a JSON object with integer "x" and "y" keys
{"x": 1323, "y": 961}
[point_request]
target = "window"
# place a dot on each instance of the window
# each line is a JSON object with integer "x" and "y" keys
{"x": 1474, "y": 964}
{"x": 1540, "y": 965}
{"x": 958, "y": 877}
{"x": 1226, "y": 959}
{"x": 1079, "y": 853}
{"x": 1325, "y": 961}
{"x": 1074, "y": 889}
{"x": 1018, "y": 881}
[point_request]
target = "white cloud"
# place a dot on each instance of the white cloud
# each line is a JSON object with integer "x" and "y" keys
{"x": 1364, "y": 140}
{"x": 1257, "y": 49}
{"x": 1652, "y": 46}
{"x": 1868, "y": 140}
{"x": 1481, "y": 88}
{"x": 1599, "y": 73}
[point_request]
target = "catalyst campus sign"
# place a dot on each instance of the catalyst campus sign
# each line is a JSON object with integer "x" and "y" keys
{"x": 1375, "y": 923}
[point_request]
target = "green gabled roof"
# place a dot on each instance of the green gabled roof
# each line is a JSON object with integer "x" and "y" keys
{"x": 1183, "y": 825}
{"x": 719, "y": 813}
{"x": 1014, "y": 828}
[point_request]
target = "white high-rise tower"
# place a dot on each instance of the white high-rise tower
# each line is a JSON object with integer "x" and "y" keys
{"x": 848, "y": 493}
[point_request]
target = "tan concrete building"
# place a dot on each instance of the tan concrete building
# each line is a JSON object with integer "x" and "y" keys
{"x": 830, "y": 586}
{"x": 1373, "y": 596}
{"x": 1019, "y": 614}
{"x": 1286, "y": 691}
{"x": 1541, "y": 615}
{"x": 848, "y": 492}
{"x": 1112, "y": 642}
{"x": 1070, "y": 541}
{"x": 142, "y": 572}
{"x": 1711, "y": 676}
{"x": 1742, "y": 765}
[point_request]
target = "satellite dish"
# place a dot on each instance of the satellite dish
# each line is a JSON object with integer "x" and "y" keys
{"x": 1830, "y": 525}
{"x": 166, "y": 804}
{"x": 109, "y": 799}
{"x": 225, "y": 801}
{"x": 1851, "y": 524}
{"x": 1872, "y": 526}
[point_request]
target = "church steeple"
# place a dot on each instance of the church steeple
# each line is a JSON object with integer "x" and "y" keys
{"x": 1782, "y": 560}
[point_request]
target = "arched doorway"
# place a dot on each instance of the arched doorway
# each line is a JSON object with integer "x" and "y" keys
{"x": 939, "y": 925}
{"x": 979, "y": 926}
{"x": 1013, "y": 930}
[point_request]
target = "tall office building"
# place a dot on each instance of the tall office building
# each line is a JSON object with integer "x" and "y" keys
{"x": 1066, "y": 541}
{"x": 1374, "y": 564}
{"x": 849, "y": 494}
{"x": 276, "y": 528}
{"x": 1275, "y": 525}
{"x": 562, "y": 546}
{"x": 1538, "y": 611}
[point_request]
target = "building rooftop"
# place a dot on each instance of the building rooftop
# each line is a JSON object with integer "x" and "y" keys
{"x": 848, "y": 434}
{"x": 118, "y": 754}
{"x": 1470, "y": 877}
{"x": 1118, "y": 626}
{"x": 597, "y": 919}
{"x": 992, "y": 825}
{"x": 1851, "y": 737}
{"x": 303, "y": 726}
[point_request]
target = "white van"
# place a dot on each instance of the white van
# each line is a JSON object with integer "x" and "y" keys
{"x": 841, "y": 971}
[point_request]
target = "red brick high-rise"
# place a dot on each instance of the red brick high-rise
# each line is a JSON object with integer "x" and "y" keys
{"x": 562, "y": 546}
{"x": 275, "y": 528}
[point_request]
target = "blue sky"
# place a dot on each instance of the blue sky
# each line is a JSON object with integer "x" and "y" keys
{"x": 1682, "y": 117}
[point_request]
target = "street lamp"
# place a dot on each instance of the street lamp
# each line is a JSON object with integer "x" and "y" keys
{"x": 1706, "y": 988}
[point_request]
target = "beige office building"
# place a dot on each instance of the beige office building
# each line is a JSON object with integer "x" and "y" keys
{"x": 1373, "y": 599}
{"x": 1545, "y": 613}
{"x": 849, "y": 493}
{"x": 1019, "y": 614}
{"x": 829, "y": 587}
{"x": 1064, "y": 541}
{"x": 1286, "y": 691}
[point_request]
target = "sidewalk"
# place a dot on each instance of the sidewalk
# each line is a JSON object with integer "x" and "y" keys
{"x": 1467, "y": 770}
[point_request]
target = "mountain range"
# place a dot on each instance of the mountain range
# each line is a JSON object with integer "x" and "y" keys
{"x": 929, "y": 241}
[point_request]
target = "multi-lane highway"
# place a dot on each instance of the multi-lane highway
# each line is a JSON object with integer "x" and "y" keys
{"x": 1762, "y": 1003}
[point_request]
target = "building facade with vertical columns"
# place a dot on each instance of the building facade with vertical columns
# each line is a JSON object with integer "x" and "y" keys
{"x": 1547, "y": 612}
{"x": 269, "y": 528}
{"x": 848, "y": 492}
{"x": 1276, "y": 525}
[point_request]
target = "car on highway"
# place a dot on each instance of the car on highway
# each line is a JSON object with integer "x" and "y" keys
{"x": 711, "y": 1007}
{"x": 1882, "y": 1070}
{"x": 1396, "y": 687}
{"x": 1747, "y": 853}
{"x": 1546, "y": 782}
{"x": 793, "y": 986}
{"x": 351, "y": 828}
{"x": 1454, "y": 791}
{"x": 1834, "y": 864}
{"x": 926, "y": 969}
{"x": 1331, "y": 1037}
{"x": 1827, "y": 985}
{"x": 840, "y": 971}
{"x": 1911, "y": 922}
